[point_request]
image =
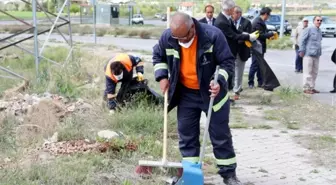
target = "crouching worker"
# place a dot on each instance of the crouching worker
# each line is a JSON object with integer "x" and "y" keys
{"x": 185, "y": 61}
{"x": 120, "y": 69}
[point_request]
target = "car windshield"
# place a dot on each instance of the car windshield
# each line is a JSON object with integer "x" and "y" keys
{"x": 274, "y": 18}
{"x": 327, "y": 21}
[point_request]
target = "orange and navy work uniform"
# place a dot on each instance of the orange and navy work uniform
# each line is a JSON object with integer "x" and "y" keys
{"x": 129, "y": 62}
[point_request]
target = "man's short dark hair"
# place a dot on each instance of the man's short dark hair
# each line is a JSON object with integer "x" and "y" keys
{"x": 265, "y": 10}
{"x": 209, "y": 5}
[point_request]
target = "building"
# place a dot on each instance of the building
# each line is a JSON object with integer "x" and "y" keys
{"x": 186, "y": 7}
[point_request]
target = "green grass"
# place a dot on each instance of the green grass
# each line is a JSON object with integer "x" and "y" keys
{"x": 21, "y": 15}
{"x": 282, "y": 43}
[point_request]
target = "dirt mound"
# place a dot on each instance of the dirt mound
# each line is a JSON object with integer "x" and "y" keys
{"x": 38, "y": 116}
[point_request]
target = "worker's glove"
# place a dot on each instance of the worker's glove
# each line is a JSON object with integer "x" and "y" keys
{"x": 254, "y": 36}
{"x": 140, "y": 77}
{"x": 111, "y": 103}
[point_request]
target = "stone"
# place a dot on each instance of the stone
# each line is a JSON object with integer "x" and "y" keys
{"x": 107, "y": 134}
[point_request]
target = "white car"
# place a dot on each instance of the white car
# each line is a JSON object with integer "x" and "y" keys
{"x": 137, "y": 19}
{"x": 328, "y": 27}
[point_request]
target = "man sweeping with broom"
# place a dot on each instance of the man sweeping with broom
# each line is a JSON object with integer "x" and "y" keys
{"x": 185, "y": 61}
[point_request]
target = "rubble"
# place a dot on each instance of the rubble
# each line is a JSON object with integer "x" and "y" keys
{"x": 21, "y": 105}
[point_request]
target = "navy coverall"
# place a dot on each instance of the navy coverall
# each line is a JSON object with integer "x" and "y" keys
{"x": 212, "y": 50}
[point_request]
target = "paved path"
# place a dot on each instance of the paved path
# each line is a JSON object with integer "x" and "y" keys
{"x": 268, "y": 157}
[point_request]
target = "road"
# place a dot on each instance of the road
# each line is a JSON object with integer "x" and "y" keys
{"x": 282, "y": 62}
{"x": 76, "y": 20}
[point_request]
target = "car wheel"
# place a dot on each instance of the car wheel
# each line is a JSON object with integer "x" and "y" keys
{"x": 141, "y": 23}
{"x": 335, "y": 35}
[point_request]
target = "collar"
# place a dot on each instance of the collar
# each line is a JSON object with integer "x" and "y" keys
{"x": 227, "y": 16}
{"x": 208, "y": 19}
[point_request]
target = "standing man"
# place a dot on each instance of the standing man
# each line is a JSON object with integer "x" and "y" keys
{"x": 298, "y": 32}
{"x": 258, "y": 24}
{"x": 244, "y": 53}
{"x": 208, "y": 19}
{"x": 310, "y": 49}
{"x": 333, "y": 58}
{"x": 185, "y": 61}
{"x": 224, "y": 22}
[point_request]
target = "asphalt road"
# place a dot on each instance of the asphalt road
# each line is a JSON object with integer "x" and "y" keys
{"x": 282, "y": 62}
{"x": 76, "y": 20}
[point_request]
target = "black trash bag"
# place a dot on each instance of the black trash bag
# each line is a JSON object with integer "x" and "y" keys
{"x": 134, "y": 88}
{"x": 270, "y": 81}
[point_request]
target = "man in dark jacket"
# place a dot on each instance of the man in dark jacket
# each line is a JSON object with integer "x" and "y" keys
{"x": 244, "y": 53}
{"x": 225, "y": 23}
{"x": 208, "y": 19}
{"x": 185, "y": 60}
{"x": 333, "y": 58}
{"x": 258, "y": 24}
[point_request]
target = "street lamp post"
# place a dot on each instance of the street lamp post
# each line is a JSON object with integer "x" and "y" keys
{"x": 282, "y": 18}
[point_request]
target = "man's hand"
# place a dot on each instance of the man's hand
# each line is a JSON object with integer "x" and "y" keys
{"x": 111, "y": 103}
{"x": 140, "y": 77}
{"x": 301, "y": 54}
{"x": 214, "y": 89}
{"x": 164, "y": 85}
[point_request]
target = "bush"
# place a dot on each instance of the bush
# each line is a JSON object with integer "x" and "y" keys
{"x": 51, "y": 6}
{"x": 144, "y": 34}
{"x": 74, "y": 8}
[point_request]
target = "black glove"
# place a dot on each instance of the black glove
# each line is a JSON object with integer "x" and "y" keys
{"x": 111, "y": 103}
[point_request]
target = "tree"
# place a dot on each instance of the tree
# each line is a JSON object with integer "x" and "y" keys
{"x": 51, "y": 6}
{"x": 244, "y": 4}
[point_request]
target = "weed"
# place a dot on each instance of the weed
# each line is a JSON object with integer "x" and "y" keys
{"x": 7, "y": 135}
{"x": 281, "y": 43}
{"x": 239, "y": 125}
{"x": 262, "y": 127}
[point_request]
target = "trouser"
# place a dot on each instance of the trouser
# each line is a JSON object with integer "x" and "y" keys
{"x": 239, "y": 72}
{"x": 254, "y": 68}
{"x": 311, "y": 67}
{"x": 189, "y": 111}
{"x": 335, "y": 82}
{"x": 298, "y": 60}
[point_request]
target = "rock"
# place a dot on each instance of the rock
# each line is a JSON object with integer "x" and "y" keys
{"x": 3, "y": 105}
{"x": 107, "y": 134}
{"x": 54, "y": 138}
{"x": 71, "y": 108}
{"x": 7, "y": 160}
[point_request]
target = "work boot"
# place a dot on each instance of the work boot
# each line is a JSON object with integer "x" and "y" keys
{"x": 232, "y": 181}
{"x": 333, "y": 91}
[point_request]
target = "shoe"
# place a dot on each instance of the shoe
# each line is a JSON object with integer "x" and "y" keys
{"x": 251, "y": 86}
{"x": 308, "y": 92}
{"x": 333, "y": 91}
{"x": 301, "y": 71}
{"x": 260, "y": 86}
{"x": 315, "y": 91}
{"x": 232, "y": 181}
{"x": 297, "y": 71}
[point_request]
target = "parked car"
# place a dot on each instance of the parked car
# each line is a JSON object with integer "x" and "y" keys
{"x": 157, "y": 15}
{"x": 275, "y": 20}
{"x": 273, "y": 23}
{"x": 137, "y": 19}
{"x": 164, "y": 17}
{"x": 328, "y": 27}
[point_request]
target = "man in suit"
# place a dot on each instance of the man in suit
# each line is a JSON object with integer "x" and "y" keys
{"x": 225, "y": 24}
{"x": 258, "y": 24}
{"x": 208, "y": 19}
{"x": 333, "y": 58}
{"x": 243, "y": 53}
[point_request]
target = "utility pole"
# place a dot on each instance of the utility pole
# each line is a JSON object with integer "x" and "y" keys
{"x": 282, "y": 18}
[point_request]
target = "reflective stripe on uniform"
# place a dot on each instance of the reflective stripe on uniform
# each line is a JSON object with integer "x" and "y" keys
{"x": 226, "y": 162}
{"x": 160, "y": 66}
{"x": 224, "y": 74}
{"x": 170, "y": 52}
{"x": 220, "y": 104}
{"x": 191, "y": 159}
{"x": 209, "y": 50}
